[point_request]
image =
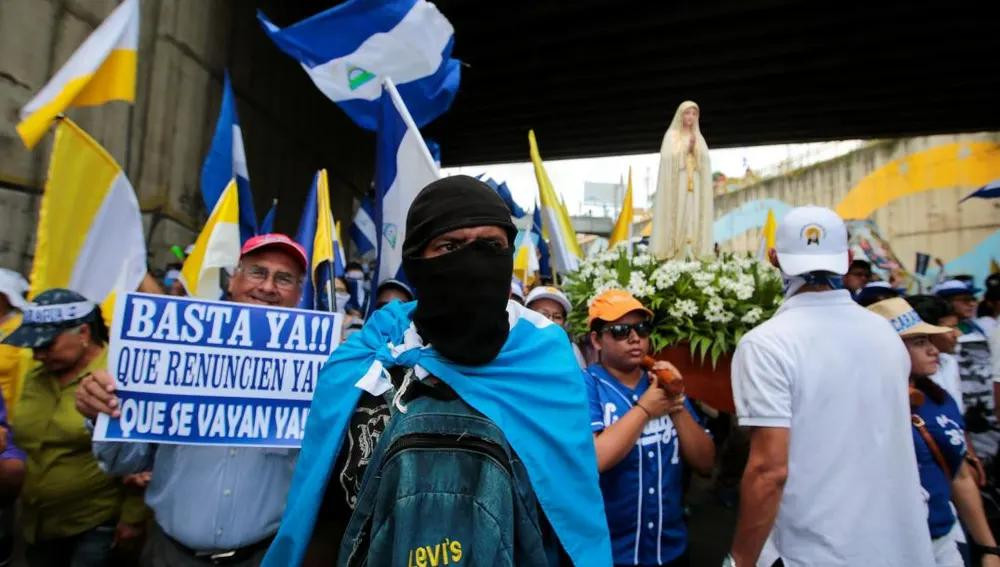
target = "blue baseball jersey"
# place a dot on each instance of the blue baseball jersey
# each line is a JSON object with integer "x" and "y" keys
{"x": 944, "y": 422}
{"x": 643, "y": 494}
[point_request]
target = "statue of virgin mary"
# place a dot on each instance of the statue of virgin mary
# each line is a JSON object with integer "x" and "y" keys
{"x": 682, "y": 208}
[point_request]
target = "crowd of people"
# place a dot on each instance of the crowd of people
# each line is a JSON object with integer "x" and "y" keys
{"x": 871, "y": 418}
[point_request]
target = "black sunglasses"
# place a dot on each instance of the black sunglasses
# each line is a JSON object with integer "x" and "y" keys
{"x": 621, "y": 331}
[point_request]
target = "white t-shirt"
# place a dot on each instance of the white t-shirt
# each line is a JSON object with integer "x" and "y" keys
{"x": 987, "y": 324}
{"x": 836, "y": 374}
{"x": 948, "y": 378}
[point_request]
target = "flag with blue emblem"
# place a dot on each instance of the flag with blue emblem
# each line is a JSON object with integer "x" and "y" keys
{"x": 226, "y": 160}
{"x": 364, "y": 235}
{"x": 317, "y": 234}
{"x": 349, "y": 49}
{"x": 403, "y": 167}
{"x": 505, "y": 194}
{"x": 532, "y": 391}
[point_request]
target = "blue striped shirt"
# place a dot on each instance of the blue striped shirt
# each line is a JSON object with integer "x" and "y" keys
{"x": 208, "y": 498}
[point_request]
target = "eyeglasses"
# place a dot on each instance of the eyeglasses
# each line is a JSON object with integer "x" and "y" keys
{"x": 621, "y": 331}
{"x": 282, "y": 280}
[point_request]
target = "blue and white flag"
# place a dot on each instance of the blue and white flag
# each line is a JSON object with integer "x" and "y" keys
{"x": 505, "y": 194}
{"x": 267, "y": 225}
{"x": 989, "y": 191}
{"x": 349, "y": 49}
{"x": 226, "y": 160}
{"x": 403, "y": 167}
{"x": 532, "y": 391}
{"x": 364, "y": 235}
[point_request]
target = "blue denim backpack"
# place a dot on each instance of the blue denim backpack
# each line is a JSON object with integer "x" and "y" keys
{"x": 443, "y": 487}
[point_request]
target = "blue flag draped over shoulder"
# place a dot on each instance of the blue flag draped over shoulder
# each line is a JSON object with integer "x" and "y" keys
{"x": 532, "y": 390}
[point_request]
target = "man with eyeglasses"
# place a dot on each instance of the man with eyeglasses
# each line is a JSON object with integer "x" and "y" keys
{"x": 643, "y": 437}
{"x": 212, "y": 505}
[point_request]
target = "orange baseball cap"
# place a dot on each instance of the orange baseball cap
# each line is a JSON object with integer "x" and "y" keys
{"x": 613, "y": 304}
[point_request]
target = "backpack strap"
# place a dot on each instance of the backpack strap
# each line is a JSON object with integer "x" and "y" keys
{"x": 918, "y": 423}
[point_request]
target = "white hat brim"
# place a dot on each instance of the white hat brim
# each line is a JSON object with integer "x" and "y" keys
{"x": 796, "y": 264}
{"x": 554, "y": 297}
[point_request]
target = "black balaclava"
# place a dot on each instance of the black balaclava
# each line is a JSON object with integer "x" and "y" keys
{"x": 462, "y": 295}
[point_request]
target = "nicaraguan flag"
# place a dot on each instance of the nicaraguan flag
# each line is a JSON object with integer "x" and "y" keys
{"x": 226, "y": 160}
{"x": 505, "y": 194}
{"x": 532, "y": 391}
{"x": 403, "y": 167}
{"x": 267, "y": 225}
{"x": 989, "y": 191}
{"x": 364, "y": 235}
{"x": 349, "y": 49}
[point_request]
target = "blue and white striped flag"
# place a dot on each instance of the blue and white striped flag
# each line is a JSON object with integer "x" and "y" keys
{"x": 349, "y": 49}
{"x": 403, "y": 167}
{"x": 501, "y": 189}
{"x": 226, "y": 159}
{"x": 364, "y": 235}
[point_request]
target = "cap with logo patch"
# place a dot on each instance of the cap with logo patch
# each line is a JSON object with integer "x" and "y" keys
{"x": 812, "y": 239}
{"x": 52, "y": 312}
{"x": 905, "y": 319}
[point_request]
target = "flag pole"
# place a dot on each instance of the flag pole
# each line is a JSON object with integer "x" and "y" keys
{"x": 128, "y": 140}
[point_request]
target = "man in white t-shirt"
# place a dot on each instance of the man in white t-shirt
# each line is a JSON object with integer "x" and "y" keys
{"x": 832, "y": 475}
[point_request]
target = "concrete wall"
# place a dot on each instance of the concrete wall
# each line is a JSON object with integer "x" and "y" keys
{"x": 290, "y": 129}
{"x": 932, "y": 221}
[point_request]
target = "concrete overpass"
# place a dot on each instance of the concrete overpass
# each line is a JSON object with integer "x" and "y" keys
{"x": 593, "y": 77}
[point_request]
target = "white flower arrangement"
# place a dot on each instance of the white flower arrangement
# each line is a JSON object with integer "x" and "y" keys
{"x": 707, "y": 303}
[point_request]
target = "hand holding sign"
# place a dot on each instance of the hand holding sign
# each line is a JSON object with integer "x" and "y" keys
{"x": 188, "y": 371}
{"x": 96, "y": 395}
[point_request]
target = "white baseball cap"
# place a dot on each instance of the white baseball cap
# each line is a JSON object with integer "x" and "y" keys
{"x": 549, "y": 292}
{"x": 812, "y": 239}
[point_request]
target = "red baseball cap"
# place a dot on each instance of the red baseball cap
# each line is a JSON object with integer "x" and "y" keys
{"x": 277, "y": 240}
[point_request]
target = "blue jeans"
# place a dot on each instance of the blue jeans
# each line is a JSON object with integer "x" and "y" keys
{"x": 91, "y": 548}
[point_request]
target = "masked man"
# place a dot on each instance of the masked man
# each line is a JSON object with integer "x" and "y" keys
{"x": 512, "y": 366}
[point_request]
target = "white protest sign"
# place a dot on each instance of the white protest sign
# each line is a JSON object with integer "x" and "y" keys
{"x": 197, "y": 372}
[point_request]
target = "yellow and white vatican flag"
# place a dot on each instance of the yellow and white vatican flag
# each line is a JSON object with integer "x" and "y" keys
{"x": 90, "y": 236}
{"x": 217, "y": 248}
{"x": 526, "y": 264}
{"x": 767, "y": 235}
{"x": 563, "y": 245}
{"x": 622, "y": 232}
{"x": 102, "y": 69}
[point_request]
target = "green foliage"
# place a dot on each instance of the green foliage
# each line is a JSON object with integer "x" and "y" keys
{"x": 709, "y": 303}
